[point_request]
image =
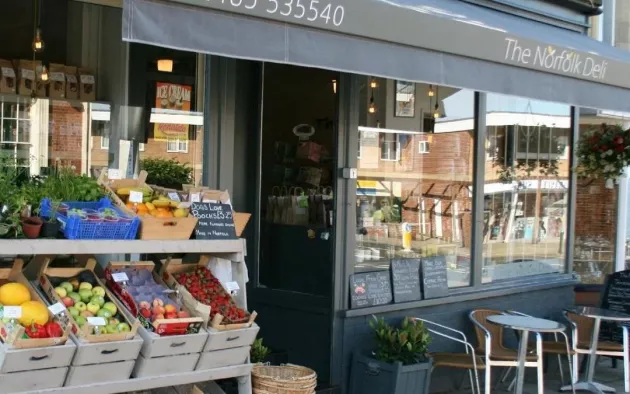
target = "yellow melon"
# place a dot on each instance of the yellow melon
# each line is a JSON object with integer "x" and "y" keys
{"x": 33, "y": 312}
{"x": 14, "y": 294}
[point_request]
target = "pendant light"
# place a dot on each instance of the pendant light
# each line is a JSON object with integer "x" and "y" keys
{"x": 436, "y": 112}
{"x": 44, "y": 75}
{"x": 372, "y": 107}
{"x": 431, "y": 92}
{"x": 165, "y": 65}
{"x": 38, "y": 41}
{"x": 334, "y": 83}
{"x": 373, "y": 84}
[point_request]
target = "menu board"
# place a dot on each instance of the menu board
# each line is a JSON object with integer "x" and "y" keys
{"x": 616, "y": 298}
{"x": 406, "y": 280}
{"x": 370, "y": 289}
{"x": 434, "y": 278}
{"x": 215, "y": 220}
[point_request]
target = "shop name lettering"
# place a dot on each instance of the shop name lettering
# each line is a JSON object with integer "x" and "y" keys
{"x": 551, "y": 58}
{"x": 173, "y": 91}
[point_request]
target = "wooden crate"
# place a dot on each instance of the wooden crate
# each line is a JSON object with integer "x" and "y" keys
{"x": 17, "y": 360}
{"x": 222, "y": 339}
{"x": 32, "y": 380}
{"x": 167, "y": 365}
{"x": 84, "y": 333}
{"x": 12, "y": 335}
{"x": 106, "y": 352}
{"x": 223, "y": 358}
{"x": 151, "y": 228}
{"x": 177, "y": 326}
{"x": 99, "y": 373}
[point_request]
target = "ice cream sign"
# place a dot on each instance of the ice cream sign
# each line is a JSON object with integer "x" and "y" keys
{"x": 555, "y": 59}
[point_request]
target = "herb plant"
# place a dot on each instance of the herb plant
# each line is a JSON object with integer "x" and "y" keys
{"x": 167, "y": 172}
{"x": 259, "y": 352}
{"x": 407, "y": 344}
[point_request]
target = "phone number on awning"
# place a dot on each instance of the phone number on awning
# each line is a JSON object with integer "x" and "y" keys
{"x": 310, "y": 10}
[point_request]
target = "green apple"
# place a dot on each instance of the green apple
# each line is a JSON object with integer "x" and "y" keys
{"x": 75, "y": 296}
{"x": 111, "y": 307}
{"x": 85, "y": 286}
{"x": 61, "y": 292}
{"x": 85, "y": 294}
{"x": 113, "y": 321}
{"x": 80, "y": 320}
{"x": 92, "y": 307}
{"x": 87, "y": 314}
{"x": 111, "y": 328}
{"x": 98, "y": 291}
{"x": 103, "y": 313}
{"x": 74, "y": 312}
{"x": 123, "y": 327}
{"x": 81, "y": 306}
{"x": 67, "y": 286}
{"x": 99, "y": 300}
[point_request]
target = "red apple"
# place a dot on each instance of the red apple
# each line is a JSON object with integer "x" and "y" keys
{"x": 157, "y": 316}
{"x": 158, "y": 310}
{"x": 67, "y": 301}
{"x": 183, "y": 314}
{"x": 170, "y": 315}
{"x": 170, "y": 308}
{"x": 146, "y": 313}
{"x": 144, "y": 305}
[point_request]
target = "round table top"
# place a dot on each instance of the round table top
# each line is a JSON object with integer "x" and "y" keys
{"x": 526, "y": 323}
{"x": 600, "y": 313}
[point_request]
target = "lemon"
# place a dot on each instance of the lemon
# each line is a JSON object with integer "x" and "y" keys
{"x": 180, "y": 213}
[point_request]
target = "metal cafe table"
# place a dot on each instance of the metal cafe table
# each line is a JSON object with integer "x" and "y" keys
{"x": 525, "y": 324}
{"x": 597, "y": 314}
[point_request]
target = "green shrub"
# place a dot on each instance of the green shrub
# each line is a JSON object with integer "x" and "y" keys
{"x": 259, "y": 352}
{"x": 166, "y": 172}
{"x": 408, "y": 344}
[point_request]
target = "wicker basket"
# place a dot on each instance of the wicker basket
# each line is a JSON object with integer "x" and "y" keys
{"x": 284, "y": 379}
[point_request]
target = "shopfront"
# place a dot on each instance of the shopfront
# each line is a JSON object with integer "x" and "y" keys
{"x": 355, "y": 142}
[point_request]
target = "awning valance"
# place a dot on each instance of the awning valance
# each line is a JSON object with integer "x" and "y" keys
{"x": 445, "y": 42}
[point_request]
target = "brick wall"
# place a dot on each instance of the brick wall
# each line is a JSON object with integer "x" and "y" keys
{"x": 65, "y": 134}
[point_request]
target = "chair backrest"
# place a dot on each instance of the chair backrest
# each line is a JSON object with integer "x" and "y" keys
{"x": 584, "y": 327}
{"x": 496, "y": 332}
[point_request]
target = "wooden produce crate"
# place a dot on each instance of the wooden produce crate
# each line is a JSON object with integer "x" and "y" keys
{"x": 13, "y": 334}
{"x": 162, "y": 327}
{"x": 35, "y": 380}
{"x": 151, "y": 228}
{"x": 85, "y": 333}
{"x": 172, "y": 267}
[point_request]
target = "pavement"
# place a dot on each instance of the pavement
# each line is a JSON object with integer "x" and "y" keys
{"x": 604, "y": 373}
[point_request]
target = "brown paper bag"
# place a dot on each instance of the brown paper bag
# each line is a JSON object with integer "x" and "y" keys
{"x": 72, "y": 83}
{"x": 25, "y": 70}
{"x": 87, "y": 85}
{"x": 8, "y": 81}
{"x": 57, "y": 78}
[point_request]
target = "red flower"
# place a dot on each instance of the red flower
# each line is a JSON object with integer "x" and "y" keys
{"x": 603, "y": 148}
{"x": 619, "y": 148}
{"x": 618, "y": 140}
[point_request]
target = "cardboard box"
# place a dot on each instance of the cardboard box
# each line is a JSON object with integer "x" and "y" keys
{"x": 26, "y": 81}
{"x": 41, "y": 85}
{"x": 84, "y": 333}
{"x": 72, "y": 83}
{"x": 87, "y": 85}
{"x": 8, "y": 81}
{"x": 13, "y": 334}
{"x": 57, "y": 81}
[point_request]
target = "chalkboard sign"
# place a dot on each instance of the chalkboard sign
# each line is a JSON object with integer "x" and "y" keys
{"x": 616, "y": 298}
{"x": 370, "y": 289}
{"x": 406, "y": 280}
{"x": 434, "y": 279}
{"x": 215, "y": 220}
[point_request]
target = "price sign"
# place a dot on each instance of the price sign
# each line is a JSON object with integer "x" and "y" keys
{"x": 120, "y": 277}
{"x": 12, "y": 312}
{"x": 174, "y": 196}
{"x": 232, "y": 286}
{"x": 96, "y": 321}
{"x": 113, "y": 173}
{"x": 57, "y": 308}
{"x": 195, "y": 197}
{"x": 215, "y": 221}
{"x": 135, "y": 196}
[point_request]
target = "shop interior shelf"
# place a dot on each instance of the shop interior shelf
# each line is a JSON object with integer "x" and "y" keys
{"x": 154, "y": 382}
{"x": 66, "y": 247}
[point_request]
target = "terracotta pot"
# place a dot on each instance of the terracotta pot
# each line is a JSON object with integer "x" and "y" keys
{"x": 31, "y": 227}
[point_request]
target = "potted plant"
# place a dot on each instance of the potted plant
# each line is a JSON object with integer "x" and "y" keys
{"x": 399, "y": 365}
{"x": 51, "y": 225}
{"x": 259, "y": 352}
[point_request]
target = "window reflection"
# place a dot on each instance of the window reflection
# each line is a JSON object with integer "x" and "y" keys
{"x": 526, "y": 187}
{"x": 415, "y": 162}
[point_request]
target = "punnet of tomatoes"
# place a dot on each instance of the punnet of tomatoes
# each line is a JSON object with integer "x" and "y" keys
{"x": 207, "y": 289}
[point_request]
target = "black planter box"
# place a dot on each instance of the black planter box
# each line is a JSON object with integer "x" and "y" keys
{"x": 369, "y": 375}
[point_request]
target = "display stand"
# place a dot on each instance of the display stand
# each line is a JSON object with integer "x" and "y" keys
{"x": 233, "y": 251}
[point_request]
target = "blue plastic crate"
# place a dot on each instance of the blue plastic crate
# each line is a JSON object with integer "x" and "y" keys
{"x": 76, "y": 227}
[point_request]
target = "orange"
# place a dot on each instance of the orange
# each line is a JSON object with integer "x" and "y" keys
{"x": 164, "y": 214}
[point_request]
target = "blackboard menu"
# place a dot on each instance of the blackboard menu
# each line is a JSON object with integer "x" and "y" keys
{"x": 215, "y": 220}
{"x": 406, "y": 280}
{"x": 434, "y": 279}
{"x": 370, "y": 289}
{"x": 616, "y": 298}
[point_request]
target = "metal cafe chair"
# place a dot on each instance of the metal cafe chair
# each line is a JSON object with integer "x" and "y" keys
{"x": 552, "y": 347}
{"x": 581, "y": 331}
{"x": 468, "y": 361}
{"x": 490, "y": 345}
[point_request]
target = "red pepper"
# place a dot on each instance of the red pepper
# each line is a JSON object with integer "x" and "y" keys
{"x": 53, "y": 330}
{"x": 36, "y": 331}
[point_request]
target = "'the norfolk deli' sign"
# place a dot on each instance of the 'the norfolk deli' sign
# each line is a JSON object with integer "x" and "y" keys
{"x": 550, "y": 58}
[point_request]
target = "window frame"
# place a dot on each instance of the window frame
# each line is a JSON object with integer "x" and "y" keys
{"x": 178, "y": 149}
{"x": 397, "y": 147}
{"x": 424, "y": 147}
{"x": 103, "y": 145}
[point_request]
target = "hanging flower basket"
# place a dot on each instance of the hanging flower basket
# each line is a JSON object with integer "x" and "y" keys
{"x": 604, "y": 152}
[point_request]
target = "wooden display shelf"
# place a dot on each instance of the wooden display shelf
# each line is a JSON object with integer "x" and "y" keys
{"x": 243, "y": 372}
{"x": 69, "y": 247}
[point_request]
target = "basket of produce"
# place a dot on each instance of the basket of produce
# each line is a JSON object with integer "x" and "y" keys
{"x": 204, "y": 294}
{"x": 160, "y": 217}
{"x": 26, "y": 320}
{"x": 148, "y": 299}
{"x": 93, "y": 220}
{"x": 93, "y": 311}
{"x": 283, "y": 379}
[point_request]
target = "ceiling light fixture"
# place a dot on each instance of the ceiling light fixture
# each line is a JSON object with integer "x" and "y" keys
{"x": 373, "y": 84}
{"x": 334, "y": 82}
{"x": 431, "y": 92}
{"x": 38, "y": 42}
{"x": 372, "y": 107}
{"x": 165, "y": 65}
{"x": 44, "y": 75}
{"x": 436, "y": 112}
